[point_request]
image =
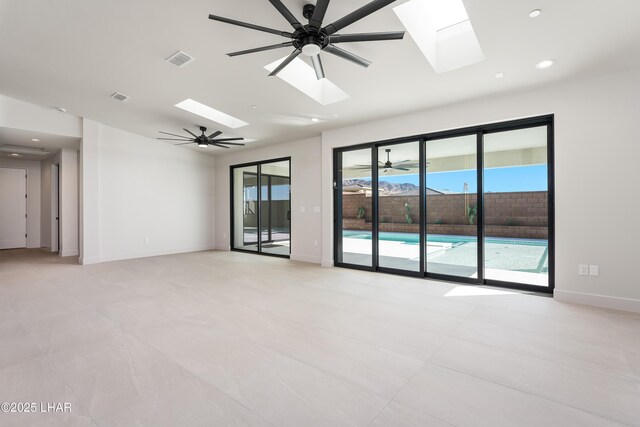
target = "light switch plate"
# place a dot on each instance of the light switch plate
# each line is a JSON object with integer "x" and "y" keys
{"x": 594, "y": 270}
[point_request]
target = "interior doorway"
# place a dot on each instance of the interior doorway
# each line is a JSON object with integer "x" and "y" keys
{"x": 55, "y": 208}
{"x": 13, "y": 208}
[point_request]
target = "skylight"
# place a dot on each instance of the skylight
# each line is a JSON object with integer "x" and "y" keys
{"x": 443, "y": 32}
{"x": 302, "y": 76}
{"x": 209, "y": 113}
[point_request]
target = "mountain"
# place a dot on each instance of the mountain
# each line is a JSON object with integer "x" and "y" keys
{"x": 385, "y": 188}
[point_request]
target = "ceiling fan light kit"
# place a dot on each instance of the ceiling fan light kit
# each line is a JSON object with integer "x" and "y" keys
{"x": 311, "y": 39}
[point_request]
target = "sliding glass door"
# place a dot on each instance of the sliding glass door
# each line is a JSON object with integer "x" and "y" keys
{"x": 516, "y": 206}
{"x": 473, "y": 205}
{"x": 452, "y": 207}
{"x": 399, "y": 198}
{"x": 261, "y": 207}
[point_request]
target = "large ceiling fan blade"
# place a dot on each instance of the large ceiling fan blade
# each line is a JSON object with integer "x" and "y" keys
{"x": 213, "y": 135}
{"x": 335, "y": 50}
{"x": 250, "y": 26}
{"x": 399, "y": 168}
{"x": 260, "y": 49}
{"x": 185, "y": 143}
{"x": 229, "y": 143}
{"x": 175, "y": 139}
{"x": 366, "y": 37}
{"x": 318, "y": 14}
{"x": 228, "y": 139}
{"x": 173, "y": 134}
{"x": 286, "y": 13}
{"x": 356, "y": 15}
{"x": 286, "y": 62}
{"x": 218, "y": 145}
{"x": 317, "y": 66}
{"x": 190, "y": 133}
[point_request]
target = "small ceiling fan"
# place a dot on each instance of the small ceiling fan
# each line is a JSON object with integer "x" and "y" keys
{"x": 405, "y": 165}
{"x": 203, "y": 140}
{"x": 313, "y": 38}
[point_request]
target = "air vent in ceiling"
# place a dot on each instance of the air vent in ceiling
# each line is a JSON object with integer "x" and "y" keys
{"x": 180, "y": 59}
{"x": 119, "y": 96}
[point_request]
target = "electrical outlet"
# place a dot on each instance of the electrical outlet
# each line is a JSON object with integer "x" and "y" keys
{"x": 303, "y": 209}
{"x": 594, "y": 270}
{"x": 583, "y": 269}
{"x": 146, "y": 239}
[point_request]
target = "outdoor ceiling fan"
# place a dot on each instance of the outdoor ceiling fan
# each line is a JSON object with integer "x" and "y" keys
{"x": 203, "y": 140}
{"x": 405, "y": 165}
{"x": 313, "y": 38}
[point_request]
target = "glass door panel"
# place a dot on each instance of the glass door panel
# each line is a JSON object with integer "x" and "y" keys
{"x": 399, "y": 206}
{"x": 354, "y": 234}
{"x": 275, "y": 212}
{"x": 245, "y": 209}
{"x": 452, "y": 207}
{"x": 516, "y": 206}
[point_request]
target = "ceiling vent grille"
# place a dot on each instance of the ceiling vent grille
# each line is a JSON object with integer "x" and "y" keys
{"x": 180, "y": 59}
{"x": 119, "y": 96}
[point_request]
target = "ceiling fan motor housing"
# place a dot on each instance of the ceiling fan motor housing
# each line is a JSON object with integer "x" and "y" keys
{"x": 307, "y": 10}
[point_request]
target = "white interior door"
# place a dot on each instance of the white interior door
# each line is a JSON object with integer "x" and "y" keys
{"x": 13, "y": 208}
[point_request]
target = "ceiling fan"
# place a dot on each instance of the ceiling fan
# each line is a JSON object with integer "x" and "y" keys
{"x": 203, "y": 140}
{"x": 405, "y": 165}
{"x": 313, "y": 38}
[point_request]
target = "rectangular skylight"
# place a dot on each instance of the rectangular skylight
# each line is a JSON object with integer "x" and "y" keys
{"x": 443, "y": 32}
{"x": 302, "y": 76}
{"x": 212, "y": 114}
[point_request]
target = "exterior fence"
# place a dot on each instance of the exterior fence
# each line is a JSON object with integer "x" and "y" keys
{"x": 515, "y": 215}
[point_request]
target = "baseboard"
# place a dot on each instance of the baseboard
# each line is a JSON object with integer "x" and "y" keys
{"x": 120, "y": 257}
{"x": 225, "y": 248}
{"x": 624, "y": 304}
{"x": 327, "y": 263}
{"x": 69, "y": 253}
{"x": 305, "y": 258}
{"x": 89, "y": 260}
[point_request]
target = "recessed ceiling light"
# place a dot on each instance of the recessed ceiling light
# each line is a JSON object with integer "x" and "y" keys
{"x": 254, "y": 106}
{"x": 535, "y": 13}
{"x": 14, "y": 155}
{"x": 499, "y": 75}
{"x": 545, "y": 64}
{"x": 210, "y": 113}
{"x": 62, "y": 110}
{"x": 35, "y": 139}
{"x": 315, "y": 119}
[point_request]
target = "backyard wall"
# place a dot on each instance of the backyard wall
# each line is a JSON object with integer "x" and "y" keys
{"x": 515, "y": 215}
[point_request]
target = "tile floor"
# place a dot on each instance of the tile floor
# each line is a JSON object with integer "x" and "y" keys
{"x": 218, "y": 338}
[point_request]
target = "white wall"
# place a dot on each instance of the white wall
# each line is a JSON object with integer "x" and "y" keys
{"x": 135, "y": 188}
{"x": 33, "y": 200}
{"x": 305, "y": 194}
{"x": 22, "y": 115}
{"x": 597, "y": 147}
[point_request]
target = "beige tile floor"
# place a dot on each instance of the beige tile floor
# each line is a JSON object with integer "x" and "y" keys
{"x": 218, "y": 338}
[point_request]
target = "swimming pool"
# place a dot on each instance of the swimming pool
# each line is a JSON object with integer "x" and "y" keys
{"x": 414, "y": 238}
{"x": 507, "y": 259}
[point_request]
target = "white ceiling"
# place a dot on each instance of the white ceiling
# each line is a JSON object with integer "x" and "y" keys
{"x": 75, "y": 53}
{"x": 24, "y": 138}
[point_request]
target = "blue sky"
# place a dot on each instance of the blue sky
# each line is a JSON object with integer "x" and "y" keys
{"x": 521, "y": 178}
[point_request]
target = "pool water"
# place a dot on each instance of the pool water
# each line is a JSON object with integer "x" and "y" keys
{"x": 448, "y": 253}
